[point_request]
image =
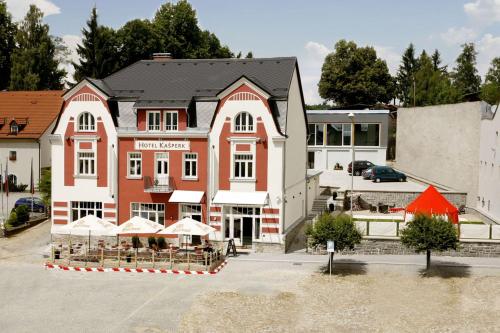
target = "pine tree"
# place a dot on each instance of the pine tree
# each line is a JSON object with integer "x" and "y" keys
{"x": 98, "y": 52}
{"x": 436, "y": 60}
{"x": 466, "y": 80}
{"x": 7, "y": 44}
{"x": 405, "y": 76}
{"x": 37, "y": 56}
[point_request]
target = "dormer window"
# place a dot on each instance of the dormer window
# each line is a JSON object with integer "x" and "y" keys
{"x": 14, "y": 128}
{"x": 171, "y": 120}
{"x": 243, "y": 122}
{"x": 86, "y": 122}
{"x": 153, "y": 120}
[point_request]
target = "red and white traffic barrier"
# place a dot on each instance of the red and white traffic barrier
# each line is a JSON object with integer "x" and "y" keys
{"x": 134, "y": 270}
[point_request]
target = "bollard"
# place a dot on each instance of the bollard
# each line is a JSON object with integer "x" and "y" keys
{"x": 170, "y": 251}
{"x": 118, "y": 256}
{"x": 102, "y": 257}
{"x": 153, "y": 258}
{"x": 188, "y": 260}
{"x": 136, "y": 250}
{"x": 205, "y": 257}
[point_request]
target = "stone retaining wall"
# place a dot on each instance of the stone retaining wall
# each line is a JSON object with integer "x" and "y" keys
{"x": 402, "y": 199}
{"x": 389, "y": 246}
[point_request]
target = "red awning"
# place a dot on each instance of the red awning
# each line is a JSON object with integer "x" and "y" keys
{"x": 433, "y": 203}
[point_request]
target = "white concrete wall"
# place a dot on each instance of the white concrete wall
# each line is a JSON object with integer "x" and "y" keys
{"x": 84, "y": 189}
{"x": 326, "y": 157}
{"x": 45, "y": 152}
{"x": 488, "y": 200}
{"x": 312, "y": 191}
{"x": 295, "y": 157}
{"x": 441, "y": 144}
{"x": 26, "y": 149}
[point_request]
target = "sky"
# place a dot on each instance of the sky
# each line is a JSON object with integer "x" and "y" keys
{"x": 305, "y": 29}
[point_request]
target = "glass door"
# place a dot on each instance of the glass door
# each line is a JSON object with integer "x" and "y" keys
{"x": 161, "y": 178}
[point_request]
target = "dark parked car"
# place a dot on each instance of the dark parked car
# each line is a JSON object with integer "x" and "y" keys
{"x": 38, "y": 205}
{"x": 367, "y": 173}
{"x": 386, "y": 174}
{"x": 359, "y": 167}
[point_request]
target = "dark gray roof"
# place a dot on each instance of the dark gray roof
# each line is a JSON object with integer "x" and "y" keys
{"x": 180, "y": 80}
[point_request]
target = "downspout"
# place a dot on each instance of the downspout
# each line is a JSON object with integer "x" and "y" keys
{"x": 40, "y": 161}
{"x": 283, "y": 188}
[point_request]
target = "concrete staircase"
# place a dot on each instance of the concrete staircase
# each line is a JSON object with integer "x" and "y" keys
{"x": 319, "y": 206}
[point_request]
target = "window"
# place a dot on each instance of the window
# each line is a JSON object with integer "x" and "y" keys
{"x": 171, "y": 120}
{"x": 366, "y": 135}
{"x": 12, "y": 179}
{"x": 153, "y": 120}
{"x": 86, "y": 122}
{"x": 81, "y": 209}
{"x": 334, "y": 134}
{"x": 243, "y": 122}
{"x": 12, "y": 155}
{"x": 190, "y": 165}
{"x": 315, "y": 135}
{"x": 134, "y": 164}
{"x": 346, "y": 134}
{"x": 14, "y": 128}
{"x": 152, "y": 211}
{"x": 243, "y": 165}
{"x": 310, "y": 159}
{"x": 86, "y": 163}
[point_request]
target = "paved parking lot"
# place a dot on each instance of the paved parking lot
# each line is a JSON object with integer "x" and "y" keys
{"x": 342, "y": 180}
{"x": 253, "y": 293}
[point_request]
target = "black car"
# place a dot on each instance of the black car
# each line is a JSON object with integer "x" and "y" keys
{"x": 359, "y": 167}
{"x": 386, "y": 174}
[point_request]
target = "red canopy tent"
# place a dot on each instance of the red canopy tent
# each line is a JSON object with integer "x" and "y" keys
{"x": 433, "y": 203}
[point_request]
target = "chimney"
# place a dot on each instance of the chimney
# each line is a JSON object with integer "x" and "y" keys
{"x": 162, "y": 56}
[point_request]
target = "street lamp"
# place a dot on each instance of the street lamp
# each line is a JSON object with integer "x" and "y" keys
{"x": 351, "y": 117}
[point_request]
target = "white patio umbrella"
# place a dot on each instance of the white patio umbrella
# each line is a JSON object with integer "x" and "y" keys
{"x": 187, "y": 226}
{"x": 88, "y": 225}
{"x": 138, "y": 225}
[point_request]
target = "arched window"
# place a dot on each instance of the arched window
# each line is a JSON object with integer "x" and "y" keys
{"x": 86, "y": 122}
{"x": 243, "y": 122}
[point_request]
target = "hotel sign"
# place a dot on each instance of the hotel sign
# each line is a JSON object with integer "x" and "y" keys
{"x": 162, "y": 145}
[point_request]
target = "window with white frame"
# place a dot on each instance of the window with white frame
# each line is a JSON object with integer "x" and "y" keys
{"x": 153, "y": 123}
{"x": 152, "y": 211}
{"x": 316, "y": 135}
{"x": 134, "y": 164}
{"x": 86, "y": 163}
{"x": 243, "y": 166}
{"x": 190, "y": 165}
{"x": 81, "y": 209}
{"x": 171, "y": 120}
{"x": 243, "y": 122}
{"x": 86, "y": 122}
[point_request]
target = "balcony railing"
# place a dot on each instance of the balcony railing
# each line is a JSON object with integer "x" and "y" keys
{"x": 158, "y": 184}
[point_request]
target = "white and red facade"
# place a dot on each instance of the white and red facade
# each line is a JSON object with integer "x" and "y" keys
{"x": 239, "y": 170}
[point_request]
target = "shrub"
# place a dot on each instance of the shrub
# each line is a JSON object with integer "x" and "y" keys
{"x": 12, "y": 220}
{"x": 151, "y": 241}
{"x": 340, "y": 229}
{"x": 44, "y": 186}
{"x": 161, "y": 243}
{"x": 23, "y": 214}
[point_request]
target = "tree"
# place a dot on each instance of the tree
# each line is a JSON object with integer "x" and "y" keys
{"x": 429, "y": 233}
{"x": 44, "y": 186}
{"x": 341, "y": 229}
{"x": 432, "y": 86}
{"x": 466, "y": 80}
{"x": 355, "y": 75}
{"x": 98, "y": 51}
{"x": 7, "y": 44}
{"x": 490, "y": 91}
{"x": 249, "y": 55}
{"x": 137, "y": 40}
{"x": 406, "y": 75}
{"x": 36, "y": 59}
{"x": 322, "y": 106}
{"x": 177, "y": 27}
{"x": 436, "y": 60}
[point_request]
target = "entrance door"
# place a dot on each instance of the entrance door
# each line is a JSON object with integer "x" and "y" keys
{"x": 161, "y": 169}
{"x": 247, "y": 231}
{"x": 237, "y": 229}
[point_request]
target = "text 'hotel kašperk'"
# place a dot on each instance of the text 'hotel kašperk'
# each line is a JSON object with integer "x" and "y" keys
{"x": 222, "y": 141}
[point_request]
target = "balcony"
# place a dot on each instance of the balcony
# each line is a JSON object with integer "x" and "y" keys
{"x": 158, "y": 184}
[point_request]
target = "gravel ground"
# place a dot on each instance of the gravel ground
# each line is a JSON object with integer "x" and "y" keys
{"x": 354, "y": 300}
